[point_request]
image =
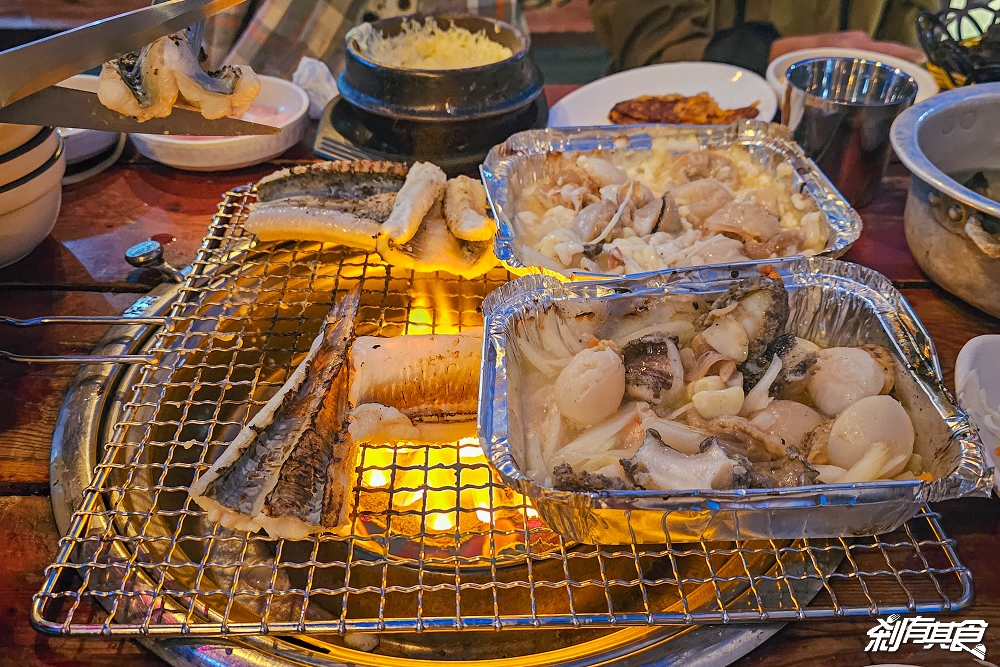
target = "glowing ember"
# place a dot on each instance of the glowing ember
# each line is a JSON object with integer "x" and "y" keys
{"x": 432, "y": 499}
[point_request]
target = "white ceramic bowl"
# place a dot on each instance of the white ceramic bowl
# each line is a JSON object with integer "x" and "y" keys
{"x": 84, "y": 144}
{"x": 29, "y": 156}
{"x": 280, "y": 103}
{"x": 29, "y": 207}
{"x": 926, "y": 86}
{"x": 731, "y": 87}
{"x": 12, "y": 136}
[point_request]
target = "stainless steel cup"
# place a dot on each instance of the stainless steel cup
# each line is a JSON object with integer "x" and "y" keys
{"x": 840, "y": 110}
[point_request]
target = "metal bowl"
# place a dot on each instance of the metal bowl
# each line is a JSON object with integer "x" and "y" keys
{"x": 953, "y": 232}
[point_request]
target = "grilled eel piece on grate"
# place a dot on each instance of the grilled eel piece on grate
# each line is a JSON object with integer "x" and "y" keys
{"x": 288, "y": 470}
{"x": 414, "y": 217}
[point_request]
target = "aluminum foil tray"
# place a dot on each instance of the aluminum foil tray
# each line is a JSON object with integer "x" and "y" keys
{"x": 832, "y": 303}
{"x": 520, "y": 161}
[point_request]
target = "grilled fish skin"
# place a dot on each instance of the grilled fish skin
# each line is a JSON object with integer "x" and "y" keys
{"x": 425, "y": 183}
{"x": 274, "y": 474}
{"x": 341, "y": 179}
{"x": 308, "y": 218}
{"x": 385, "y": 207}
{"x": 339, "y": 202}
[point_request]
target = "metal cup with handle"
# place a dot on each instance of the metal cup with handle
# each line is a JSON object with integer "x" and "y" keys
{"x": 840, "y": 110}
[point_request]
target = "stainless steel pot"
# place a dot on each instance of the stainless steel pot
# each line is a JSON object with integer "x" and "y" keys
{"x": 953, "y": 232}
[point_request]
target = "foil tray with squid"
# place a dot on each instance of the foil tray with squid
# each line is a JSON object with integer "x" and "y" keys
{"x": 797, "y": 398}
{"x": 579, "y": 202}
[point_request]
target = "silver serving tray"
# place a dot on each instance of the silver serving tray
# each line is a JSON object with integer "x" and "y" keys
{"x": 520, "y": 161}
{"x": 832, "y": 303}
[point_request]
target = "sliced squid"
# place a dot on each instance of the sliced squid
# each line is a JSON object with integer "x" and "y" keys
{"x": 434, "y": 248}
{"x": 465, "y": 208}
{"x": 425, "y": 183}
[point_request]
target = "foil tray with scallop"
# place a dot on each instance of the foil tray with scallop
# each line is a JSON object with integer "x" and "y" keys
{"x": 831, "y": 304}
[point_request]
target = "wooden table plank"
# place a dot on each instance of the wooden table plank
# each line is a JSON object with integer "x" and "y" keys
{"x": 133, "y": 200}
{"x": 37, "y": 391}
{"x": 28, "y": 535}
{"x": 882, "y": 243}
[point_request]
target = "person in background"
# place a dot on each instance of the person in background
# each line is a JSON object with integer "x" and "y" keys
{"x": 751, "y": 33}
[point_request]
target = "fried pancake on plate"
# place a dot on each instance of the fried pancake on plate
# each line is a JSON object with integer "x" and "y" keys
{"x": 700, "y": 109}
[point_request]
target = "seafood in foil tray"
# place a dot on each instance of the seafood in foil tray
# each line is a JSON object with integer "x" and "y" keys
{"x": 679, "y": 393}
{"x": 414, "y": 217}
{"x": 635, "y": 211}
{"x": 289, "y": 470}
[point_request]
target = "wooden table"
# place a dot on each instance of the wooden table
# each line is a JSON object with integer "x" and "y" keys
{"x": 80, "y": 270}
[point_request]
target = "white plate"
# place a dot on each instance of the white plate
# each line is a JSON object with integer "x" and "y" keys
{"x": 977, "y": 381}
{"x": 926, "y": 86}
{"x": 29, "y": 208}
{"x": 12, "y": 136}
{"x": 28, "y": 157}
{"x": 84, "y": 144}
{"x": 280, "y": 103}
{"x": 30, "y": 187}
{"x": 731, "y": 87}
{"x": 72, "y": 176}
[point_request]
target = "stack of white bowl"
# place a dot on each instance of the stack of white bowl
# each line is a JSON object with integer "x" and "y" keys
{"x": 32, "y": 163}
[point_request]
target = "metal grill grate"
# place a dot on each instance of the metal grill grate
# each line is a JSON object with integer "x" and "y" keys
{"x": 436, "y": 541}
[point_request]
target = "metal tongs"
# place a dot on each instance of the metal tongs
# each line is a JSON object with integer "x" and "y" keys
{"x": 29, "y": 74}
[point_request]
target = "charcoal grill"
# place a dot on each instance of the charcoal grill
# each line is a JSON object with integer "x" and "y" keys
{"x": 438, "y": 547}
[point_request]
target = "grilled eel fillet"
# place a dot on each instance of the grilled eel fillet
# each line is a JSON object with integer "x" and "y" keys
{"x": 433, "y": 377}
{"x": 412, "y": 216}
{"x": 339, "y": 202}
{"x": 288, "y": 470}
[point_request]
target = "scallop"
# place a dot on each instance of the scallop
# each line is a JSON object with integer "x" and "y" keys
{"x": 866, "y": 422}
{"x": 788, "y": 420}
{"x": 591, "y": 387}
{"x": 845, "y": 375}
